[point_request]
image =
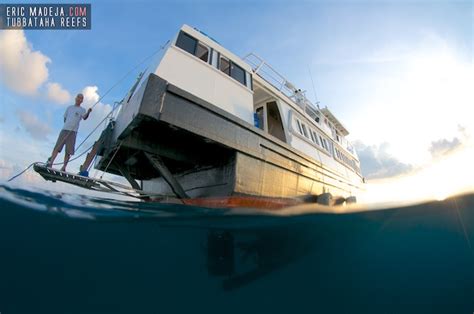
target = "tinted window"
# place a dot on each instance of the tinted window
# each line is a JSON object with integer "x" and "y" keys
{"x": 237, "y": 73}
{"x": 202, "y": 52}
{"x": 186, "y": 42}
{"x": 224, "y": 65}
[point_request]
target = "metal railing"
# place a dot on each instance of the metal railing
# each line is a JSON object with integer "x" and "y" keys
{"x": 278, "y": 81}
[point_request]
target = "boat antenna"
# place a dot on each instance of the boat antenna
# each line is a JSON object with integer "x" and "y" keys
{"x": 314, "y": 89}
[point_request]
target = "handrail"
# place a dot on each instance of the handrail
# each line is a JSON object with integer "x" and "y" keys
{"x": 269, "y": 74}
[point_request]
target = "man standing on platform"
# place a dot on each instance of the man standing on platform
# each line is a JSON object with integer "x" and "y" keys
{"x": 72, "y": 117}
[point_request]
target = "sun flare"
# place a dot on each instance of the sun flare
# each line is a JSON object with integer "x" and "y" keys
{"x": 450, "y": 175}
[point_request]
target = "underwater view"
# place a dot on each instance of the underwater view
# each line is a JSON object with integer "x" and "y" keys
{"x": 69, "y": 253}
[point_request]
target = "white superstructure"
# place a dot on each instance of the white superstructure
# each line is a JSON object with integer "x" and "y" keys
{"x": 250, "y": 109}
{"x": 248, "y": 87}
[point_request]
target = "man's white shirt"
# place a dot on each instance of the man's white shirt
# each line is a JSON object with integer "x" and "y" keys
{"x": 72, "y": 117}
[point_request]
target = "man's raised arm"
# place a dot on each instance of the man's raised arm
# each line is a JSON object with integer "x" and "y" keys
{"x": 87, "y": 114}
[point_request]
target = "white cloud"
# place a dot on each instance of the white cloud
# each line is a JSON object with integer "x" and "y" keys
{"x": 91, "y": 95}
{"x": 99, "y": 112}
{"x": 444, "y": 146}
{"x": 36, "y": 128}
{"x": 22, "y": 69}
{"x": 58, "y": 94}
{"x": 377, "y": 163}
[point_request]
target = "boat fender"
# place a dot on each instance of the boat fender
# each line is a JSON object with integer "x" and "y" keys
{"x": 351, "y": 200}
{"x": 310, "y": 198}
{"x": 325, "y": 199}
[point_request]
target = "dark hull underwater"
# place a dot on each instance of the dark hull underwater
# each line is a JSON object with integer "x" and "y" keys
{"x": 207, "y": 152}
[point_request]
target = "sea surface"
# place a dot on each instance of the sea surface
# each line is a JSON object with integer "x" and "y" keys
{"x": 63, "y": 253}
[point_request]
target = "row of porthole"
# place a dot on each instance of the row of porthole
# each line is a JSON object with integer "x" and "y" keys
{"x": 312, "y": 135}
{"x": 346, "y": 160}
{"x": 322, "y": 142}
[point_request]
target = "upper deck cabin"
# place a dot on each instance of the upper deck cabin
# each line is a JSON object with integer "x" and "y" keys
{"x": 202, "y": 67}
{"x": 252, "y": 91}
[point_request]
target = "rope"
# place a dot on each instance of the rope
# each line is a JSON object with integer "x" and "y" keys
{"x": 98, "y": 124}
{"x": 110, "y": 161}
{"x": 113, "y": 109}
{"x": 133, "y": 69}
{"x": 14, "y": 177}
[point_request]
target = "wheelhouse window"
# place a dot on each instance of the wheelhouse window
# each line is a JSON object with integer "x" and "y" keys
{"x": 202, "y": 52}
{"x": 186, "y": 42}
{"x": 237, "y": 73}
{"x": 224, "y": 65}
{"x": 208, "y": 55}
{"x": 194, "y": 47}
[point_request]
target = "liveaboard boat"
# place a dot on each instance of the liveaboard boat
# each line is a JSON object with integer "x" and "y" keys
{"x": 202, "y": 122}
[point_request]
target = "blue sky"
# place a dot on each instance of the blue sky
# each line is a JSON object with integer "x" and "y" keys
{"x": 397, "y": 73}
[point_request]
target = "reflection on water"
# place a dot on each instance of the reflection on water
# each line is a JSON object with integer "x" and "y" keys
{"x": 71, "y": 254}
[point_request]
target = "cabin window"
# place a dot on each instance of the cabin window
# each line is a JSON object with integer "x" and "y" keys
{"x": 237, "y": 73}
{"x": 224, "y": 65}
{"x": 186, "y": 42}
{"x": 202, "y": 52}
{"x": 325, "y": 144}
{"x": 316, "y": 138}
{"x": 299, "y": 126}
{"x": 305, "y": 131}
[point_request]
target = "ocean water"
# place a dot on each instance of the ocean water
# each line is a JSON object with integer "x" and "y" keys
{"x": 64, "y": 253}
